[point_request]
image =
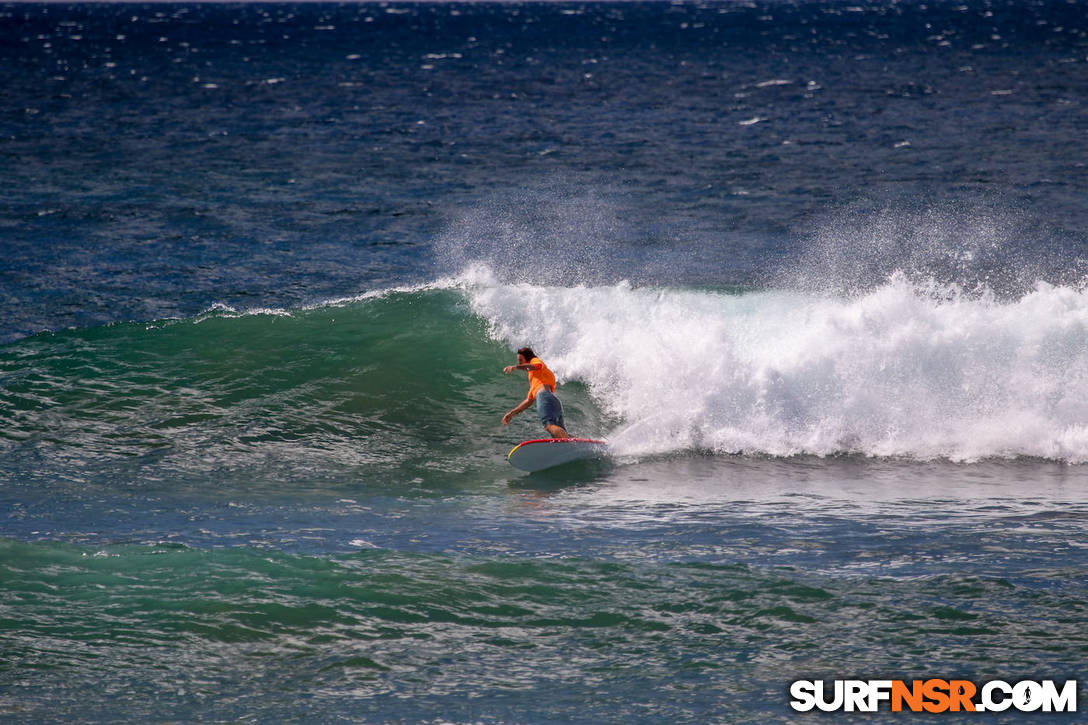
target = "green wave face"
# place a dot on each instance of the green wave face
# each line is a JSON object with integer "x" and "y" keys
{"x": 408, "y": 383}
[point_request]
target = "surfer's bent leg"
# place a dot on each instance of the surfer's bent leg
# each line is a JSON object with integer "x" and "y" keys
{"x": 556, "y": 431}
{"x": 551, "y": 413}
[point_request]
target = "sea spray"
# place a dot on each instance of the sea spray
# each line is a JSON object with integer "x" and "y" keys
{"x": 982, "y": 246}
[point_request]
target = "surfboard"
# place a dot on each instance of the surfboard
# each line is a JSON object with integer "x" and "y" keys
{"x": 536, "y": 455}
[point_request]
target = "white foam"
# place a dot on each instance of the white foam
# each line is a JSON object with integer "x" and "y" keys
{"x": 900, "y": 371}
{"x": 220, "y": 310}
{"x": 442, "y": 283}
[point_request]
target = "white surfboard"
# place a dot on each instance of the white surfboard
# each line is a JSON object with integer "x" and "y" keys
{"x": 536, "y": 455}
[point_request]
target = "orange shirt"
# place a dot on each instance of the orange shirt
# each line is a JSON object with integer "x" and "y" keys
{"x": 540, "y": 378}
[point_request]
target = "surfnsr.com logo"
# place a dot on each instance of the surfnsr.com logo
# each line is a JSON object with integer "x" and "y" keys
{"x": 933, "y": 695}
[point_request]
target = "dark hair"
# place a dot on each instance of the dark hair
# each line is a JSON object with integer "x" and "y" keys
{"x": 527, "y": 352}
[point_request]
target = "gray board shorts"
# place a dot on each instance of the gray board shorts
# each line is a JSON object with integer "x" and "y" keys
{"x": 549, "y": 408}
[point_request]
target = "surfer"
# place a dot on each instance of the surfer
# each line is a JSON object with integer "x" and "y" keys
{"x": 542, "y": 390}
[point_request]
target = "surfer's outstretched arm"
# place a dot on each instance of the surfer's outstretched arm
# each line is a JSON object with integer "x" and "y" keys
{"x": 520, "y": 407}
{"x": 523, "y": 366}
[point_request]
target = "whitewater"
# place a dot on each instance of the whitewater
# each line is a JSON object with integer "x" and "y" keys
{"x": 901, "y": 370}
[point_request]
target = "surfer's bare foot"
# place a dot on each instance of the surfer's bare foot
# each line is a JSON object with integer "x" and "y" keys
{"x": 556, "y": 431}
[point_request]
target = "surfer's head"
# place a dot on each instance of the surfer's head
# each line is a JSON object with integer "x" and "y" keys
{"x": 527, "y": 353}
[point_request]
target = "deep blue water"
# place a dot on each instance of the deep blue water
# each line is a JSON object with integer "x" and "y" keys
{"x": 816, "y": 270}
{"x": 161, "y": 158}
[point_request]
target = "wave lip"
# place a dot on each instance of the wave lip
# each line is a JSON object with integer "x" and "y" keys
{"x": 904, "y": 370}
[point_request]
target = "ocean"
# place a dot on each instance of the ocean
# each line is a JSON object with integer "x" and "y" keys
{"x": 818, "y": 271}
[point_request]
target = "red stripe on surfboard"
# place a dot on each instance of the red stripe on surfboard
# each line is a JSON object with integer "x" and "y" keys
{"x": 560, "y": 440}
{"x": 555, "y": 440}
